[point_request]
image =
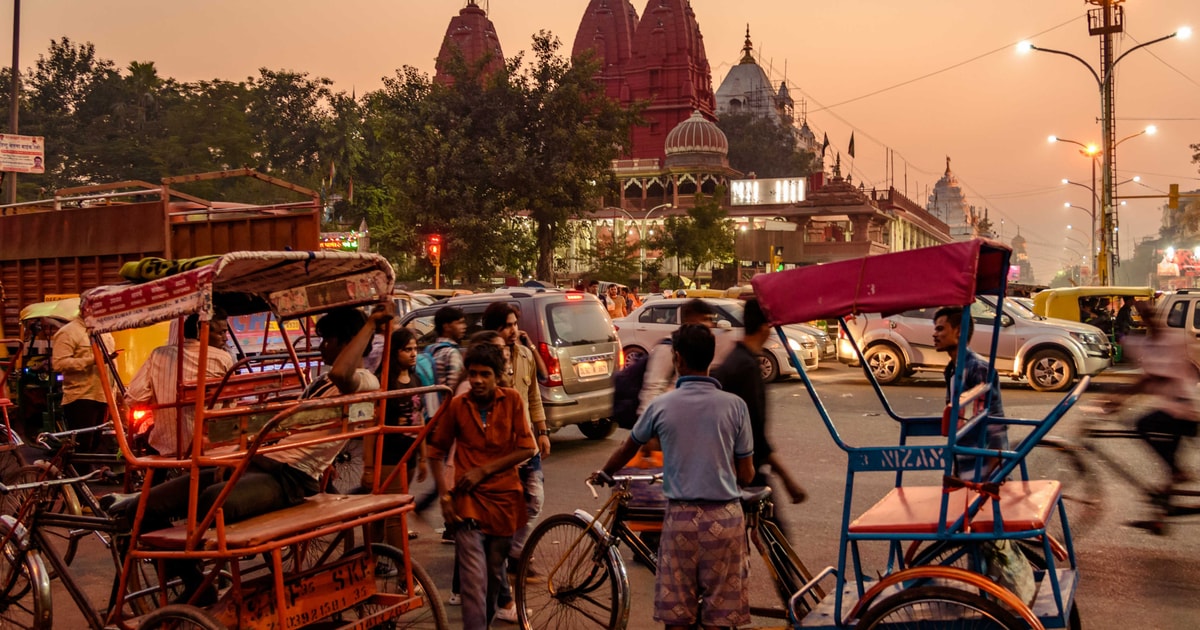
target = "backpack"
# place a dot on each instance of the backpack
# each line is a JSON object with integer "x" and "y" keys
{"x": 627, "y": 390}
{"x": 426, "y": 371}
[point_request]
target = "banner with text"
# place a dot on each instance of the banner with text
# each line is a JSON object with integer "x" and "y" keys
{"x": 22, "y": 154}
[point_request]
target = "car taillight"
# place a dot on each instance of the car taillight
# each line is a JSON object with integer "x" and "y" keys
{"x": 620, "y": 358}
{"x": 553, "y": 371}
{"x": 574, "y": 296}
{"x": 140, "y": 420}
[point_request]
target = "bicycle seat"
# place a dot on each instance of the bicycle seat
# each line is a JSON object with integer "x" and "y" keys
{"x": 753, "y": 496}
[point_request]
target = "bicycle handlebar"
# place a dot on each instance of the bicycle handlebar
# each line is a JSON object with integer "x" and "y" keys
{"x": 602, "y": 478}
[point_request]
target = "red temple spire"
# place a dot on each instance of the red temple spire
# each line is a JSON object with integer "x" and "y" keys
{"x": 473, "y": 35}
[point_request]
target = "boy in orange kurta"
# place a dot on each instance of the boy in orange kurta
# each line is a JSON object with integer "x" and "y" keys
{"x": 486, "y": 504}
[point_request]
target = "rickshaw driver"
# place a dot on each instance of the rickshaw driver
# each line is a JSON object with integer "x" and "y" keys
{"x": 155, "y": 380}
{"x": 277, "y": 480}
{"x": 946, "y": 337}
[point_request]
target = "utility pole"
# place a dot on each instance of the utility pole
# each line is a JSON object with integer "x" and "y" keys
{"x": 14, "y": 98}
{"x": 1104, "y": 22}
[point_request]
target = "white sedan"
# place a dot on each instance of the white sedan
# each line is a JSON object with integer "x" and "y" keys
{"x": 651, "y": 322}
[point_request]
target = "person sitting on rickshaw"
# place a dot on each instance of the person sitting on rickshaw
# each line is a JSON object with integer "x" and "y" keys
{"x": 155, "y": 383}
{"x": 283, "y": 478}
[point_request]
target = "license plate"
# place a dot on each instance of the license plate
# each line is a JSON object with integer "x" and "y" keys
{"x": 590, "y": 369}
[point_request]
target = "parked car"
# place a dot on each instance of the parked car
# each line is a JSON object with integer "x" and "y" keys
{"x": 654, "y": 320}
{"x": 1050, "y": 354}
{"x": 575, "y": 339}
{"x": 1180, "y": 314}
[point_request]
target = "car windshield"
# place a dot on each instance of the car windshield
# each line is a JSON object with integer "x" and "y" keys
{"x": 734, "y": 312}
{"x": 578, "y": 323}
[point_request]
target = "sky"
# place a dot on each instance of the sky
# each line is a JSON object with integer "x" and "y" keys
{"x": 925, "y": 80}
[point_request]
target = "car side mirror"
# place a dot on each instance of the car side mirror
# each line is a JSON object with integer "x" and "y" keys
{"x": 1006, "y": 321}
{"x": 724, "y": 323}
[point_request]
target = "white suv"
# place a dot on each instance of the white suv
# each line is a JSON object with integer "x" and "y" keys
{"x": 1050, "y": 353}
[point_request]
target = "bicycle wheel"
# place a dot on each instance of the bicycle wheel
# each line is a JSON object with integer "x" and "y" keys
{"x": 316, "y": 551}
{"x": 925, "y": 607}
{"x": 143, "y": 591}
{"x": 61, "y": 499}
{"x": 569, "y": 578}
{"x": 179, "y": 617}
{"x": 389, "y": 578}
{"x": 25, "y": 598}
{"x": 347, "y": 469}
{"x": 789, "y": 573}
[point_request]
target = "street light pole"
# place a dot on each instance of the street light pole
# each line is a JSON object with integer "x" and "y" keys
{"x": 1105, "y": 22}
{"x": 14, "y": 98}
{"x": 641, "y": 228}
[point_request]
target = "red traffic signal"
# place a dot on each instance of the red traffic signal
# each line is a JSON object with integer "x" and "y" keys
{"x": 435, "y": 246}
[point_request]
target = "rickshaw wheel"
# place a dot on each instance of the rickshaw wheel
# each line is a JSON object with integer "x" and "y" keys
{"x": 389, "y": 578}
{"x": 25, "y": 596}
{"x": 179, "y": 617}
{"x": 917, "y": 607}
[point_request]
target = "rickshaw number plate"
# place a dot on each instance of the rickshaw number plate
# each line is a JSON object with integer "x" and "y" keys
{"x": 356, "y": 289}
{"x": 314, "y": 597}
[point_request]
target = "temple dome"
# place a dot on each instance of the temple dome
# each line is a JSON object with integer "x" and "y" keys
{"x": 697, "y": 134}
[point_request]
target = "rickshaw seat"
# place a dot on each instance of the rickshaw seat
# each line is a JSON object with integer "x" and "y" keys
{"x": 1025, "y": 506}
{"x": 316, "y": 511}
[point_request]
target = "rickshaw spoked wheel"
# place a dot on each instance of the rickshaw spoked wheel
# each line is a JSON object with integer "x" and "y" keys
{"x": 923, "y": 604}
{"x": 389, "y": 578}
{"x": 179, "y": 617}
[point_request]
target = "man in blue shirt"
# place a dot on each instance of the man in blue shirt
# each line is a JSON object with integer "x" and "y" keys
{"x": 947, "y": 322}
{"x": 708, "y": 449}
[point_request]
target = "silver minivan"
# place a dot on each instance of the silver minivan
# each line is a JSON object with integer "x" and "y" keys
{"x": 575, "y": 339}
{"x": 1049, "y": 353}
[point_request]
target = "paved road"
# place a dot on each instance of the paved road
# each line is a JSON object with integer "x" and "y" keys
{"x": 1131, "y": 579}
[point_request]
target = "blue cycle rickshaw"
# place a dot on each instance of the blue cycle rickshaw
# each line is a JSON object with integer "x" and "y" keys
{"x": 940, "y": 538}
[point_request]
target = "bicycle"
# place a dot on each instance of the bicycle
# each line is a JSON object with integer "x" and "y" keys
{"x": 1088, "y": 464}
{"x": 571, "y": 573}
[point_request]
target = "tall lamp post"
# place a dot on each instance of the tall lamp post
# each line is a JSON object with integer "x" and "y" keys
{"x": 641, "y": 229}
{"x": 1104, "y": 22}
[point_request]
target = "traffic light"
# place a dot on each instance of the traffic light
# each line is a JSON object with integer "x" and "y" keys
{"x": 777, "y": 258}
{"x": 1173, "y": 197}
{"x": 435, "y": 248}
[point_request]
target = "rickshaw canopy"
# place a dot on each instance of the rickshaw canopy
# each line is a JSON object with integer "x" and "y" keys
{"x": 290, "y": 284}
{"x": 65, "y": 309}
{"x": 1063, "y": 302}
{"x": 944, "y": 275}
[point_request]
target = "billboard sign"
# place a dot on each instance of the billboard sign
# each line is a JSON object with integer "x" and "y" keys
{"x": 22, "y": 154}
{"x": 762, "y": 192}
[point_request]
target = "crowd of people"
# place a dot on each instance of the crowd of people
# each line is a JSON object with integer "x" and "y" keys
{"x": 702, "y": 420}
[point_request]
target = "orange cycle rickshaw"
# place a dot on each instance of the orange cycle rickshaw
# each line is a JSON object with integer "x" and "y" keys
{"x": 297, "y": 567}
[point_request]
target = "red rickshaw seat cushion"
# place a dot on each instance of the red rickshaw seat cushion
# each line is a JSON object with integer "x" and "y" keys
{"x": 1024, "y": 505}
{"x": 316, "y": 511}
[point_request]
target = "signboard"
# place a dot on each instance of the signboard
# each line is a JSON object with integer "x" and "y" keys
{"x": 766, "y": 192}
{"x": 22, "y": 154}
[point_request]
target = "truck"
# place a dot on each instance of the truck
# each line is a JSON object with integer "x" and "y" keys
{"x": 82, "y": 236}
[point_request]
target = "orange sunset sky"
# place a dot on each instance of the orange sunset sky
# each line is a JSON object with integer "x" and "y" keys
{"x": 924, "y": 78}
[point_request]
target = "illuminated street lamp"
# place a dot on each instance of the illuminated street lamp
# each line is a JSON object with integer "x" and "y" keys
{"x": 641, "y": 229}
{"x": 1104, "y": 22}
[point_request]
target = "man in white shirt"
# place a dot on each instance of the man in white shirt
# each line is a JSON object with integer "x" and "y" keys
{"x": 155, "y": 382}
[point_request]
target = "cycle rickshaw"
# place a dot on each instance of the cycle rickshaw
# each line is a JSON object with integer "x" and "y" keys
{"x": 298, "y": 567}
{"x": 934, "y": 537}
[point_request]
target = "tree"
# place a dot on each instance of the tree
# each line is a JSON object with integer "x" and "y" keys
{"x": 765, "y": 147}
{"x": 705, "y": 236}
{"x": 612, "y": 258}
{"x": 570, "y": 132}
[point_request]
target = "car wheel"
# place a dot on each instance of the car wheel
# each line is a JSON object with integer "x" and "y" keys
{"x": 769, "y": 367}
{"x": 886, "y": 363}
{"x": 633, "y": 353}
{"x": 597, "y": 429}
{"x": 1050, "y": 371}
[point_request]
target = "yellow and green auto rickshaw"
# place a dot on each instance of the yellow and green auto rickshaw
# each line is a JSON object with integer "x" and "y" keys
{"x": 1109, "y": 308}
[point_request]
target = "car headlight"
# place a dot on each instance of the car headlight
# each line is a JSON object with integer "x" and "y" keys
{"x": 1089, "y": 339}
